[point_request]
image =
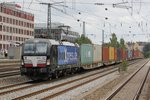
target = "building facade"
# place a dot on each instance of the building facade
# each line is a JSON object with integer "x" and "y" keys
{"x": 58, "y": 32}
{"x": 15, "y": 25}
{"x": 136, "y": 45}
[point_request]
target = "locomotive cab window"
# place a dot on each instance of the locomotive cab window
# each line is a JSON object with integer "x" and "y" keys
{"x": 41, "y": 48}
{"x": 29, "y": 48}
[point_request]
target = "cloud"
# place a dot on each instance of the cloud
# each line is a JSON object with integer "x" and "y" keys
{"x": 93, "y": 15}
{"x": 130, "y": 19}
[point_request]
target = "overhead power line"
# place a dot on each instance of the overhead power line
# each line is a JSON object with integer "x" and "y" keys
{"x": 49, "y": 16}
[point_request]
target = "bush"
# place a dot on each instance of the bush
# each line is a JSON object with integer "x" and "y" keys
{"x": 124, "y": 65}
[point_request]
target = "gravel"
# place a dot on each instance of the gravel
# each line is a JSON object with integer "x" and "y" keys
{"x": 145, "y": 94}
{"x": 102, "y": 92}
{"x": 87, "y": 87}
{"x": 130, "y": 89}
{"x": 12, "y": 80}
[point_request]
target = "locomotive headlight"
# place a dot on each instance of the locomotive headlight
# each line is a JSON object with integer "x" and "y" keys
{"x": 48, "y": 62}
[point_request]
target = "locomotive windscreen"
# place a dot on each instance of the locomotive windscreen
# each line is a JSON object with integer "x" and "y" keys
{"x": 35, "y": 48}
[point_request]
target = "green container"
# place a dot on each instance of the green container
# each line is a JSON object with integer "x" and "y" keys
{"x": 86, "y": 52}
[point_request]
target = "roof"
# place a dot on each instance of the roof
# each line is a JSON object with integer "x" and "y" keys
{"x": 51, "y": 41}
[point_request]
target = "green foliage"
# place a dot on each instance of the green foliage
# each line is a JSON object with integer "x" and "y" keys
{"x": 113, "y": 40}
{"x": 122, "y": 43}
{"x": 146, "y": 50}
{"x": 146, "y": 54}
{"x": 115, "y": 43}
{"x": 83, "y": 40}
{"x": 124, "y": 66}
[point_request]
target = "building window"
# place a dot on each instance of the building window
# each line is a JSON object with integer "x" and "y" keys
{"x": 7, "y": 20}
{"x": 0, "y": 37}
{"x": 14, "y": 30}
{"x": 7, "y": 29}
{"x": 21, "y": 23}
{"x": 22, "y": 31}
{"x": 0, "y": 18}
{"x": 14, "y": 21}
{"x": 0, "y": 27}
{"x": 10, "y": 21}
{"x": 24, "y": 24}
{"x": 4, "y": 19}
{"x": 4, "y": 37}
{"x": 11, "y": 30}
{"x": 19, "y": 31}
{"x": 0, "y": 46}
{"x": 4, "y": 28}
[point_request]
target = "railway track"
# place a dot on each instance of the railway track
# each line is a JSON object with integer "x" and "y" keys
{"x": 9, "y": 69}
{"x": 131, "y": 88}
{"x": 9, "y": 65}
{"x": 9, "y": 73}
{"x": 105, "y": 71}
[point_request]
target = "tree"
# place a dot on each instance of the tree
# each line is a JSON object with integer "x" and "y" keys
{"x": 122, "y": 43}
{"x": 146, "y": 50}
{"x": 83, "y": 40}
{"x": 113, "y": 41}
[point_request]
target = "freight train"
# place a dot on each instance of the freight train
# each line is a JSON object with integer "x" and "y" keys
{"x": 46, "y": 58}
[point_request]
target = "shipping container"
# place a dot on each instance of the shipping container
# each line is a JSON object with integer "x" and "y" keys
{"x": 119, "y": 54}
{"x": 115, "y": 54}
{"x": 129, "y": 54}
{"x": 111, "y": 54}
{"x": 86, "y": 54}
{"x": 136, "y": 53}
{"x": 132, "y": 54}
{"x": 126, "y": 54}
{"x": 105, "y": 55}
{"x": 123, "y": 53}
{"x": 97, "y": 53}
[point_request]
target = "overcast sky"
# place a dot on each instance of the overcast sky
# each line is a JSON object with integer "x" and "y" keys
{"x": 132, "y": 24}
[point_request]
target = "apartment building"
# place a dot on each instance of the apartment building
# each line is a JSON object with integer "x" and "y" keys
{"x": 15, "y": 25}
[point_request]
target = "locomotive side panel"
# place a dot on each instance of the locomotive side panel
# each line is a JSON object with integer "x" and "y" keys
{"x": 61, "y": 55}
{"x": 67, "y": 55}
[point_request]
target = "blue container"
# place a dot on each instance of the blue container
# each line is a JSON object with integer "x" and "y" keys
{"x": 119, "y": 56}
{"x": 67, "y": 55}
{"x": 129, "y": 54}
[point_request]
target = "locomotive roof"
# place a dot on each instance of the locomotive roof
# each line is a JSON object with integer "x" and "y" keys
{"x": 51, "y": 41}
